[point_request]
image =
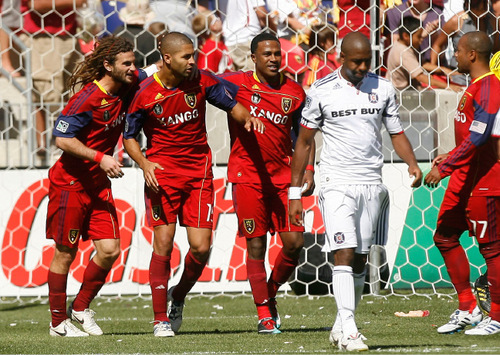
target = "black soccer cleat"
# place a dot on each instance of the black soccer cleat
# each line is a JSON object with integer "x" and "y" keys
{"x": 482, "y": 291}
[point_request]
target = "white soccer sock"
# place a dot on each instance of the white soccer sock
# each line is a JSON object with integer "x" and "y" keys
{"x": 343, "y": 289}
{"x": 337, "y": 326}
{"x": 359, "y": 285}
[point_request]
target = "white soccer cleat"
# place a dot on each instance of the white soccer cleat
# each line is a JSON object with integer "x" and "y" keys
{"x": 174, "y": 311}
{"x": 336, "y": 336}
{"x": 353, "y": 342}
{"x": 66, "y": 329}
{"x": 460, "y": 319}
{"x": 487, "y": 326}
{"x": 86, "y": 319}
{"x": 163, "y": 330}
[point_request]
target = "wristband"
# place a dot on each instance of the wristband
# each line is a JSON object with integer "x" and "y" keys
{"x": 294, "y": 193}
{"x": 310, "y": 167}
{"x": 98, "y": 157}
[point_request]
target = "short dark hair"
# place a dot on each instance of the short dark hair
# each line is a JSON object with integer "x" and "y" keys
{"x": 265, "y": 36}
{"x": 410, "y": 25}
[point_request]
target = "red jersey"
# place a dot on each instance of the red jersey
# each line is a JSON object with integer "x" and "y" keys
{"x": 96, "y": 119}
{"x": 264, "y": 158}
{"x": 476, "y": 154}
{"x": 214, "y": 57}
{"x": 57, "y": 22}
{"x": 173, "y": 121}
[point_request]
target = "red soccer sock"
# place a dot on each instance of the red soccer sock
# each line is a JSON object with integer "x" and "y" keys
{"x": 57, "y": 297}
{"x": 493, "y": 264}
{"x": 283, "y": 268}
{"x": 159, "y": 273}
{"x": 256, "y": 273}
{"x": 192, "y": 271}
{"x": 94, "y": 278}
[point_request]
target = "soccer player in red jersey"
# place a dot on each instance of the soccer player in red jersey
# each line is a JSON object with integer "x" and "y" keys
{"x": 170, "y": 108}
{"x": 80, "y": 199}
{"x": 259, "y": 169}
{"x": 472, "y": 200}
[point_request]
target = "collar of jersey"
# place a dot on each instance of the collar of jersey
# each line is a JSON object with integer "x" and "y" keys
{"x": 157, "y": 79}
{"x": 282, "y": 77}
{"x": 348, "y": 82}
{"x": 101, "y": 88}
{"x": 482, "y": 76}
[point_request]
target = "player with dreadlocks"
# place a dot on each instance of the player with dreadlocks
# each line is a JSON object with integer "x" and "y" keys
{"x": 80, "y": 199}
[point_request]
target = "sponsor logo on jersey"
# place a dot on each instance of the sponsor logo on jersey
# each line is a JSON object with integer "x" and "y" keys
{"x": 277, "y": 118}
{"x": 62, "y": 126}
{"x": 106, "y": 116}
{"x": 159, "y": 96}
{"x": 255, "y": 87}
{"x": 373, "y": 97}
{"x": 73, "y": 235}
{"x": 181, "y": 117}
{"x": 190, "y": 99}
{"x": 308, "y": 102}
{"x": 286, "y": 104}
{"x": 158, "y": 109}
{"x": 156, "y": 212}
{"x": 355, "y": 111}
{"x": 462, "y": 103}
{"x": 104, "y": 102}
{"x": 336, "y": 86}
{"x": 339, "y": 238}
{"x": 256, "y": 98}
{"x": 249, "y": 225}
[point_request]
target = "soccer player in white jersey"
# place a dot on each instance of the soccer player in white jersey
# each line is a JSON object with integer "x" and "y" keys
{"x": 349, "y": 106}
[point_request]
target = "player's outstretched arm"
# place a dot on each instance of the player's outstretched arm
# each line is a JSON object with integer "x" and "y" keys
{"x": 241, "y": 115}
{"x": 73, "y": 146}
{"x": 148, "y": 168}
{"x": 404, "y": 149}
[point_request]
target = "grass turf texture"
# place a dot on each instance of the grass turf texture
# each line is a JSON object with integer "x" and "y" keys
{"x": 225, "y": 324}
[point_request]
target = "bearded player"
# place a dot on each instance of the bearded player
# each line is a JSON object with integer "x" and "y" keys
{"x": 170, "y": 108}
{"x": 259, "y": 169}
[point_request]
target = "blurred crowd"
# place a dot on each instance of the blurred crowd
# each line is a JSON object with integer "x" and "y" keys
{"x": 414, "y": 40}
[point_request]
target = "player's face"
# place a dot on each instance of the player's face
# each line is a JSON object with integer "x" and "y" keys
{"x": 462, "y": 56}
{"x": 267, "y": 59}
{"x": 182, "y": 61}
{"x": 124, "y": 68}
{"x": 356, "y": 64}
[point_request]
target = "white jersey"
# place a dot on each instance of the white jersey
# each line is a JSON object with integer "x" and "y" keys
{"x": 350, "y": 118}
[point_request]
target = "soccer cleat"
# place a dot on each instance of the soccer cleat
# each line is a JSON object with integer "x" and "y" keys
{"x": 353, "y": 342}
{"x": 487, "y": 326}
{"x": 174, "y": 311}
{"x": 482, "y": 291}
{"x": 66, "y": 329}
{"x": 267, "y": 326}
{"x": 86, "y": 320}
{"x": 274, "y": 312}
{"x": 163, "y": 329}
{"x": 459, "y": 320}
{"x": 335, "y": 336}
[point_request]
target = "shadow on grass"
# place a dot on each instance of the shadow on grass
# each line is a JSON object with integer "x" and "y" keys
{"x": 17, "y": 307}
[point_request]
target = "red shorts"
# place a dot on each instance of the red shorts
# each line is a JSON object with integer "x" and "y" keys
{"x": 192, "y": 199}
{"x": 71, "y": 214}
{"x": 452, "y": 210}
{"x": 261, "y": 209}
{"x": 483, "y": 216}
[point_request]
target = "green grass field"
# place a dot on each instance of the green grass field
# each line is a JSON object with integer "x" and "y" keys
{"x": 223, "y": 324}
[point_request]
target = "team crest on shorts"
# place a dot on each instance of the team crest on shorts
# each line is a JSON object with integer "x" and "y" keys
{"x": 157, "y": 109}
{"x": 373, "y": 97}
{"x": 190, "y": 99}
{"x": 339, "y": 238}
{"x": 73, "y": 235}
{"x": 106, "y": 116}
{"x": 249, "y": 225}
{"x": 156, "y": 212}
{"x": 462, "y": 103}
{"x": 286, "y": 104}
{"x": 256, "y": 98}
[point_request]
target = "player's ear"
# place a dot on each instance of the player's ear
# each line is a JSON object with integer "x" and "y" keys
{"x": 254, "y": 58}
{"x": 107, "y": 66}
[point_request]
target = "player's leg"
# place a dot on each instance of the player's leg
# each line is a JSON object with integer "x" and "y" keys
{"x": 103, "y": 228}
{"x": 65, "y": 215}
{"x": 483, "y": 216}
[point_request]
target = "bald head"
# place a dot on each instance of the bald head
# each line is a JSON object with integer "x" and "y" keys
{"x": 355, "y": 41}
{"x": 173, "y": 42}
{"x": 479, "y": 42}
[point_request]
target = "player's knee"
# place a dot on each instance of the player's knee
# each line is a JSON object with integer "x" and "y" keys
{"x": 446, "y": 241}
{"x": 201, "y": 252}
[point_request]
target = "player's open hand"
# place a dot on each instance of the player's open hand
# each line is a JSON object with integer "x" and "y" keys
{"x": 417, "y": 174}
{"x": 295, "y": 213}
{"x": 148, "y": 169}
{"x": 433, "y": 177}
{"x": 111, "y": 167}
{"x": 255, "y": 124}
{"x": 308, "y": 183}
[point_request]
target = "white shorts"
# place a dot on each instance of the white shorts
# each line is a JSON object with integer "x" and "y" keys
{"x": 355, "y": 216}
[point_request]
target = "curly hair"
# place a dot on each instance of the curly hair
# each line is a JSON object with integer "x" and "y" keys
{"x": 92, "y": 67}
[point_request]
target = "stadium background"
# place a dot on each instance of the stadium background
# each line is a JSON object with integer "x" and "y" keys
{"x": 409, "y": 264}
